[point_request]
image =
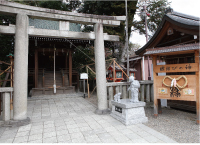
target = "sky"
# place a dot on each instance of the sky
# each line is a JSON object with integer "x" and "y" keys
{"x": 190, "y": 7}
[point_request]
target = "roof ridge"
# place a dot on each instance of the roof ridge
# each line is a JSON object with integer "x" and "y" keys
{"x": 170, "y": 11}
{"x": 174, "y": 46}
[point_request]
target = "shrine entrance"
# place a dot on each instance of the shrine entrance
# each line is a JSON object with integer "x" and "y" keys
{"x": 50, "y": 63}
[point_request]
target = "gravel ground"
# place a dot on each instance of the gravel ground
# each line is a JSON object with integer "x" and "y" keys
{"x": 178, "y": 125}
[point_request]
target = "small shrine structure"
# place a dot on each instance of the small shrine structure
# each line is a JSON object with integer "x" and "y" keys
{"x": 119, "y": 72}
{"x": 176, "y": 43}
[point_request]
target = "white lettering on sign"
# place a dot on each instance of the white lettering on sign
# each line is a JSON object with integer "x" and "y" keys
{"x": 84, "y": 76}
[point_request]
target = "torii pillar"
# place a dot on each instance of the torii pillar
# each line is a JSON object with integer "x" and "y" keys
{"x": 20, "y": 68}
{"x": 100, "y": 70}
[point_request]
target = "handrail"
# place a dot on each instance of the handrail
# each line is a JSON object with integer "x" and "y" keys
{"x": 4, "y": 62}
{"x": 6, "y": 70}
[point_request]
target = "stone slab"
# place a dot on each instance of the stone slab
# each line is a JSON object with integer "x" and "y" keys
{"x": 129, "y": 113}
{"x": 6, "y": 89}
{"x": 126, "y": 103}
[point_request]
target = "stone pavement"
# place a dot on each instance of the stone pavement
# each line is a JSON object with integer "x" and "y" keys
{"x": 71, "y": 119}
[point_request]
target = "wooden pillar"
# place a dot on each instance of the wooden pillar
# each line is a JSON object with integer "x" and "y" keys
{"x": 77, "y": 79}
{"x": 70, "y": 68}
{"x": 36, "y": 68}
{"x": 114, "y": 70}
{"x": 154, "y": 82}
{"x": 197, "y": 60}
{"x": 0, "y": 93}
{"x": 148, "y": 93}
{"x": 66, "y": 60}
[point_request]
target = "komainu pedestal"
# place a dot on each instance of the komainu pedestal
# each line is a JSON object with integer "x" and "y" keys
{"x": 128, "y": 112}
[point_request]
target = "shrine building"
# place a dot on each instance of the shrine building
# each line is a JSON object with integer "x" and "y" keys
{"x": 45, "y": 40}
{"x": 174, "y": 49}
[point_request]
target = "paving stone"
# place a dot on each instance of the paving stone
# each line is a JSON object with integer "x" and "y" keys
{"x": 49, "y": 122}
{"x": 133, "y": 136}
{"x": 10, "y": 131}
{"x": 104, "y": 136}
{"x": 35, "y": 137}
{"x": 24, "y": 133}
{"x": 79, "y": 140}
{"x": 48, "y": 125}
{"x": 109, "y": 140}
{"x": 121, "y": 138}
{"x": 35, "y": 141}
{"x": 50, "y": 129}
{"x": 141, "y": 140}
{"x": 99, "y": 130}
{"x": 92, "y": 139}
{"x": 120, "y": 127}
{"x": 110, "y": 129}
{"x": 64, "y": 127}
{"x": 49, "y": 134}
{"x": 126, "y": 131}
{"x": 76, "y": 135}
{"x": 85, "y": 129}
{"x": 73, "y": 130}
{"x": 36, "y": 131}
{"x": 143, "y": 133}
{"x": 62, "y": 132}
{"x": 7, "y": 136}
{"x": 20, "y": 139}
{"x": 151, "y": 139}
{"x": 50, "y": 140}
{"x": 72, "y": 126}
{"x": 7, "y": 140}
{"x": 88, "y": 133}
{"x": 24, "y": 128}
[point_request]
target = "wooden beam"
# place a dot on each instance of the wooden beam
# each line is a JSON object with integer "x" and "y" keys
{"x": 154, "y": 82}
{"x": 197, "y": 60}
{"x": 66, "y": 60}
{"x": 70, "y": 68}
{"x": 36, "y": 68}
{"x": 114, "y": 70}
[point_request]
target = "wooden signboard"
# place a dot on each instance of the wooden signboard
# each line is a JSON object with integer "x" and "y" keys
{"x": 163, "y": 92}
{"x": 162, "y": 84}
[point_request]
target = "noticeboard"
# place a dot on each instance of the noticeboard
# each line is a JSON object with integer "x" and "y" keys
{"x": 83, "y": 76}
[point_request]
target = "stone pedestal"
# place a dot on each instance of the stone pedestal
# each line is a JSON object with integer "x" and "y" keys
{"x": 6, "y": 106}
{"x": 129, "y": 113}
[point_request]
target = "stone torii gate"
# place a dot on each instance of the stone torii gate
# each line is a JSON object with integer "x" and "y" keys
{"x": 22, "y": 31}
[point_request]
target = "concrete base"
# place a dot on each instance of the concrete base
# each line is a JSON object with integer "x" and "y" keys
{"x": 129, "y": 113}
{"x": 100, "y": 112}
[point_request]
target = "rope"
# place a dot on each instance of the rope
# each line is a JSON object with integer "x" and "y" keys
{"x": 180, "y": 87}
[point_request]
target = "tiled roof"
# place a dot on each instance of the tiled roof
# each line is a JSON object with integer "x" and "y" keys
{"x": 179, "y": 19}
{"x": 193, "y": 46}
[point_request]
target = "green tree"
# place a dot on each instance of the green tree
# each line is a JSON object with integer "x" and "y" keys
{"x": 156, "y": 10}
{"x": 56, "y": 4}
{"x": 111, "y": 8}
